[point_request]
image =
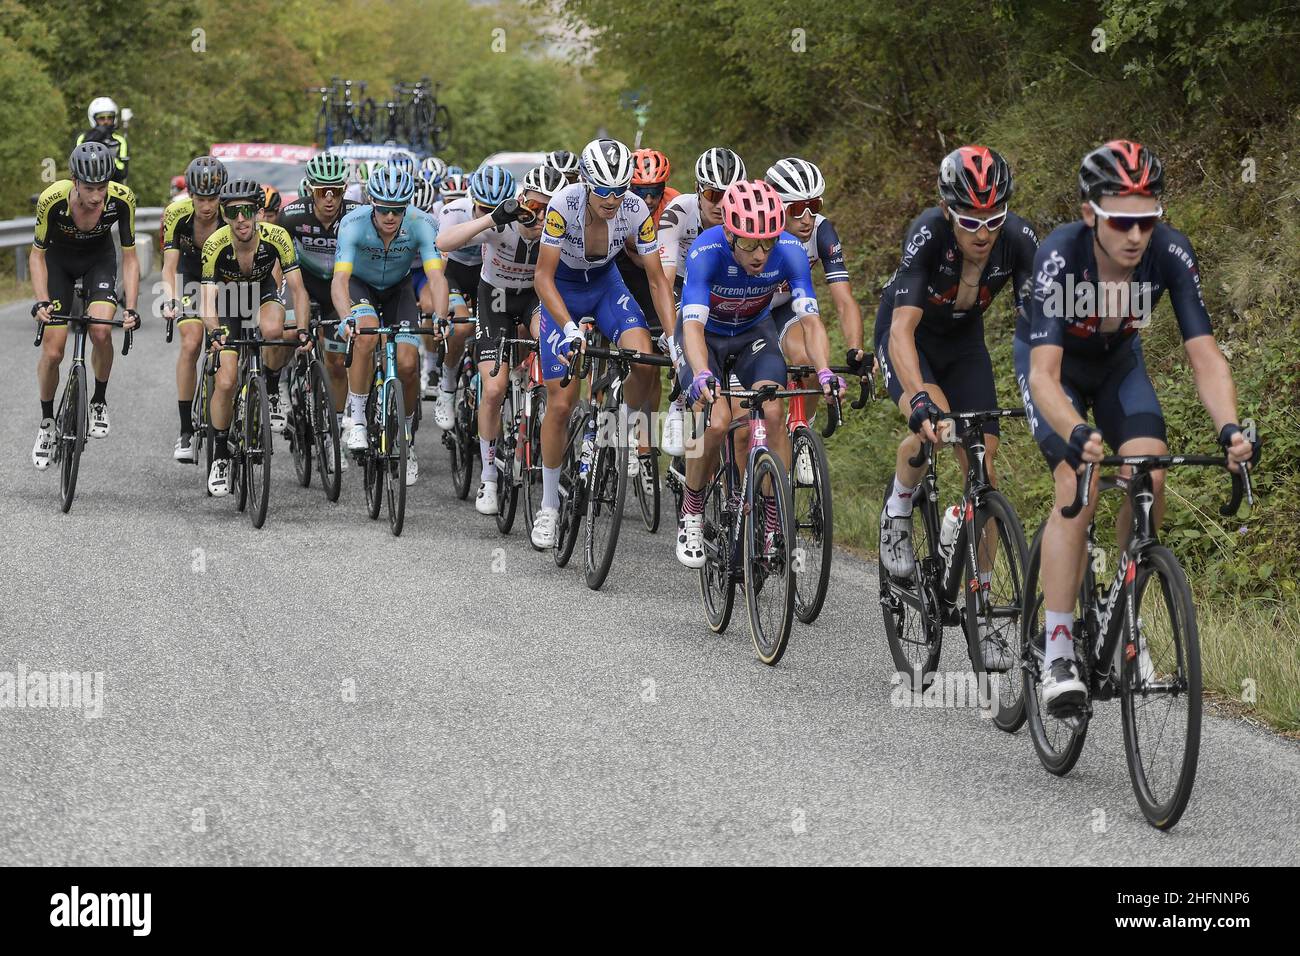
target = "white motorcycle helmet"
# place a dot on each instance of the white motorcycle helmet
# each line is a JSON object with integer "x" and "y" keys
{"x": 102, "y": 104}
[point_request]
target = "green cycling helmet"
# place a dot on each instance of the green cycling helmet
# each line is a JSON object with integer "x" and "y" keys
{"x": 327, "y": 169}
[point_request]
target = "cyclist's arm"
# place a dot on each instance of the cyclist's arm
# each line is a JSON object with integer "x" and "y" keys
{"x": 644, "y": 251}
{"x": 301, "y": 301}
{"x": 850, "y": 315}
{"x": 902, "y": 348}
{"x": 472, "y": 232}
{"x": 40, "y": 275}
{"x": 208, "y": 284}
{"x": 670, "y": 226}
{"x": 548, "y": 257}
{"x": 1213, "y": 380}
{"x": 1045, "y": 387}
{"x": 130, "y": 277}
{"x": 344, "y": 255}
{"x": 831, "y": 253}
{"x": 695, "y": 313}
{"x": 171, "y": 262}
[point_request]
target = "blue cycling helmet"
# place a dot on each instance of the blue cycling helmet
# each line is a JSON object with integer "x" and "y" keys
{"x": 390, "y": 185}
{"x": 454, "y": 171}
{"x": 400, "y": 159}
{"x": 491, "y": 186}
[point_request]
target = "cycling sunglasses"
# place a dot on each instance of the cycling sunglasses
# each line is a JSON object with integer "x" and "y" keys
{"x": 608, "y": 192}
{"x": 233, "y": 211}
{"x": 390, "y": 210}
{"x": 974, "y": 224}
{"x": 327, "y": 192}
{"x": 712, "y": 195}
{"x": 749, "y": 245}
{"x": 1123, "y": 222}
{"x": 801, "y": 207}
{"x": 536, "y": 206}
{"x": 651, "y": 194}
{"x": 105, "y": 116}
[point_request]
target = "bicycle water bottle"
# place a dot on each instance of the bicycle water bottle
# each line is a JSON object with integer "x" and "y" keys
{"x": 948, "y": 530}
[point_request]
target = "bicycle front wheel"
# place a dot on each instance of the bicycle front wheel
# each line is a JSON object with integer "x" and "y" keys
{"x": 529, "y": 455}
{"x": 463, "y": 447}
{"x": 394, "y": 452}
{"x": 325, "y": 430}
{"x": 769, "y": 571}
{"x": 257, "y": 449}
{"x": 607, "y": 490}
{"x": 717, "y": 583}
{"x": 300, "y": 436}
{"x": 814, "y": 529}
{"x": 573, "y": 490}
{"x": 913, "y": 628}
{"x": 1160, "y": 690}
{"x": 70, "y": 437}
{"x": 646, "y": 488}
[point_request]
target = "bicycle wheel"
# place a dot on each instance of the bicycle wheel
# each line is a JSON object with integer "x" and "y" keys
{"x": 394, "y": 451}
{"x": 1057, "y": 742}
{"x": 463, "y": 448}
{"x": 769, "y": 573}
{"x": 300, "y": 436}
{"x": 717, "y": 583}
{"x": 1002, "y": 553}
{"x": 70, "y": 434}
{"x": 530, "y": 455}
{"x": 257, "y": 449}
{"x": 235, "y": 444}
{"x": 913, "y": 628}
{"x": 324, "y": 430}
{"x": 507, "y": 486}
{"x": 648, "y": 497}
{"x": 607, "y": 490}
{"x": 199, "y": 416}
{"x": 572, "y": 490}
{"x": 374, "y": 460}
{"x": 814, "y": 529}
{"x": 440, "y": 133}
{"x": 1160, "y": 690}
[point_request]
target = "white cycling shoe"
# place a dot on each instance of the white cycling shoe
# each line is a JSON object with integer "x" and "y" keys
{"x": 444, "y": 409}
{"x": 672, "y": 444}
{"x": 690, "y": 541}
{"x": 184, "y": 450}
{"x": 219, "y": 478}
{"x": 412, "y": 466}
{"x": 633, "y": 463}
{"x": 43, "y": 450}
{"x": 543, "y": 535}
{"x": 485, "y": 502}
{"x": 896, "y": 552}
{"x": 358, "y": 438}
{"x": 98, "y": 420}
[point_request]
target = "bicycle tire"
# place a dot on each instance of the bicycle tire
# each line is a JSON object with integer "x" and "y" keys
{"x": 373, "y": 463}
{"x": 648, "y": 500}
{"x": 70, "y": 434}
{"x": 506, "y": 448}
{"x": 1057, "y": 744}
{"x": 300, "y": 437}
{"x": 569, "y": 522}
{"x": 235, "y": 445}
{"x": 606, "y": 493}
{"x": 1004, "y": 689}
{"x": 813, "y": 551}
{"x": 717, "y": 583}
{"x": 199, "y": 407}
{"x": 257, "y": 450}
{"x": 913, "y": 629}
{"x": 768, "y": 571}
{"x": 395, "y": 450}
{"x": 325, "y": 430}
{"x": 463, "y": 451}
{"x": 531, "y": 465}
{"x": 1157, "y": 563}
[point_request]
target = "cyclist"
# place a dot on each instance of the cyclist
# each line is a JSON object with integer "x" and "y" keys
{"x": 650, "y": 173}
{"x": 177, "y": 187}
{"x": 1095, "y": 284}
{"x": 929, "y": 330}
{"x": 455, "y": 185}
{"x": 312, "y": 221}
{"x": 682, "y": 220}
{"x": 356, "y": 190}
{"x": 563, "y": 162}
{"x": 103, "y": 114}
{"x": 510, "y": 235}
{"x": 487, "y": 188}
{"x": 376, "y": 246}
{"x": 800, "y": 185}
{"x": 432, "y": 169}
{"x": 263, "y": 246}
{"x": 187, "y": 224}
{"x": 73, "y": 240}
{"x": 734, "y": 270}
{"x": 586, "y": 225}
{"x": 271, "y": 203}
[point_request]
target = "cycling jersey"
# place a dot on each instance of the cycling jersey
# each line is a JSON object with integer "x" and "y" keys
{"x": 727, "y": 299}
{"x": 178, "y": 234}
{"x": 221, "y": 261}
{"x": 509, "y": 260}
{"x": 116, "y": 144}
{"x": 315, "y": 244}
{"x": 679, "y": 225}
{"x": 56, "y": 229}
{"x": 1063, "y": 308}
{"x": 455, "y": 213}
{"x": 362, "y": 252}
{"x": 823, "y": 245}
{"x": 929, "y": 275}
{"x": 565, "y": 230}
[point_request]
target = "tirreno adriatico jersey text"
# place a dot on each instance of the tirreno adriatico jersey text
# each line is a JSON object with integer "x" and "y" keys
{"x": 727, "y": 299}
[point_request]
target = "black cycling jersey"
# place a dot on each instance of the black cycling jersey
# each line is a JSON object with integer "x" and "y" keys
{"x": 316, "y": 244}
{"x": 56, "y": 229}
{"x": 221, "y": 263}
{"x": 178, "y": 234}
{"x": 929, "y": 275}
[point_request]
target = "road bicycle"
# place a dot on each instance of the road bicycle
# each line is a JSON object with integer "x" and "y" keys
{"x": 518, "y": 453}
{"x": 72, "y": 415}
{"x": 461, "y": 440}
{"x": 313, "y": 427}
{"x": 1135, "y": 639}
{"x": 383, "y": 461}
{"x": 948, "y": 585}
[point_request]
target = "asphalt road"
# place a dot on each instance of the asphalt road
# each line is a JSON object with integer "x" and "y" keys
{"x": 320, "y": 692}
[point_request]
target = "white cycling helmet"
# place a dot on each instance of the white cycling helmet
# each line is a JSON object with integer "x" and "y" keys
{"x": 606, "y": 162}
{"x": 718, "y": 168}
{"x": 101, "y": 104}
{"x": 545, "y": 180}
{"x": 795, "y": 179}
{"x": 426, "y": 194}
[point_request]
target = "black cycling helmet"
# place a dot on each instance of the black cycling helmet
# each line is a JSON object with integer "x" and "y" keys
{"x": 243, "y": 190}
{"x": 975, "y": 177}
{"x": 1120, "y": 168}
{"x": 563, "y": 162}
{"x": 91, "y": 163}
{"x": 205, "y": 176}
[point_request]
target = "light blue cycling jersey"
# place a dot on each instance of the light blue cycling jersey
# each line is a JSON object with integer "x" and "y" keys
{"x": 362, "y": 253}
{"x": 728, "y": 300}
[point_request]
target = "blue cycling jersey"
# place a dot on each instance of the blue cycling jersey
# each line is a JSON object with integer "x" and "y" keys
{"x": 727, "y": 299}
{"x": 362, "y": 253}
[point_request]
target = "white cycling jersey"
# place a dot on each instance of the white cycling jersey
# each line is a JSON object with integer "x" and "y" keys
{"x": 679, "y": 224}
{"x": 457, "y": 212}
{"x": 509, "y": 260}
{"x": 356, "y": 192}
{"x": 565, "y": 229}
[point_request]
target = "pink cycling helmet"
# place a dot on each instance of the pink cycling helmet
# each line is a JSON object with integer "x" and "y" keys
{"x": 753, "y": 209}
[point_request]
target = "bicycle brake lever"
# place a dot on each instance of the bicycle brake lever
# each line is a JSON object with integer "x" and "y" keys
{"x": 1083, "y": 487}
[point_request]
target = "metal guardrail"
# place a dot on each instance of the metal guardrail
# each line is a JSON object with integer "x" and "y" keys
{"x": 17, "y": 234}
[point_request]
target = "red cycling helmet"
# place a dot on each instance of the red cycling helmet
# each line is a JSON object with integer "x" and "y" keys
{"x": 975, "y": 177}
{"x": 650, "y": 168}
{"x": 752, "y": 209}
